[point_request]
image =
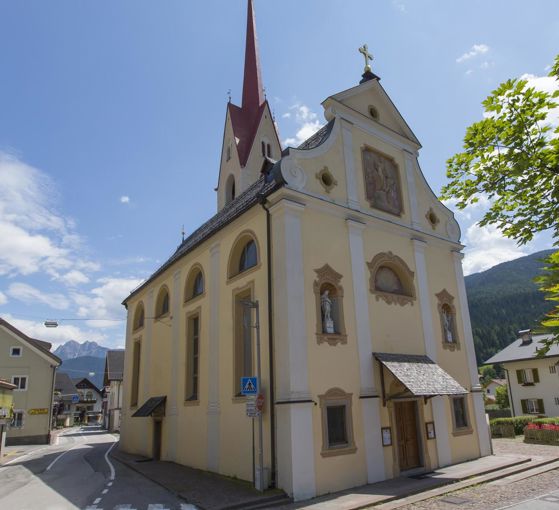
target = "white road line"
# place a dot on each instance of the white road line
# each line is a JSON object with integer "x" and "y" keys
{"x": 111, "y": 467}
{"x": 23, "y": 456}
{"x": 110, "y": 484}
{"x": 105, "y": 491}
{"x": 187, "y": 506}
{"x": 157, "y": 506}
{"x": 96, "y": 502}
{"x": 61, "y": 455}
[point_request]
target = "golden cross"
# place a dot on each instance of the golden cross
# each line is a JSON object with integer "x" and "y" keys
{"x": 364, "y": 50}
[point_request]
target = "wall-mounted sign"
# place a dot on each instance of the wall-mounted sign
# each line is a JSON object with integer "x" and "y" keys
{"x": 43, "y": 410}
{"x": 386, "y": 436}
{"x": 430, "y": 430}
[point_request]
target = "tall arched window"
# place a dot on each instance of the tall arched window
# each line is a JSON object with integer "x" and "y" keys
{"x": 244, "y": 254}
{"x": 194, "y": 283}
{"x": 230, "y": 189}
{"x": 162, "y": 303}
{"x": 139, "y": 316}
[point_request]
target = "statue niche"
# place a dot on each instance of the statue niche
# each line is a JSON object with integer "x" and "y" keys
{"x": 330, "y": 327}
{"x": 382, "y": 182}
{"x": 447, "y": 313}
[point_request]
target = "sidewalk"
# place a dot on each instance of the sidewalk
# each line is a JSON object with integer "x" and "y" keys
{"x": 213, "y": 492}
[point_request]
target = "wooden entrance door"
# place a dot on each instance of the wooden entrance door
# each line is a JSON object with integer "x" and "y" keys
{"x": 156, "y": 439}
{"x": 407, "y": 437}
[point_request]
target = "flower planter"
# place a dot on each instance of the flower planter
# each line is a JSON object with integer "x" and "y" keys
{"x": 542, "y": 434}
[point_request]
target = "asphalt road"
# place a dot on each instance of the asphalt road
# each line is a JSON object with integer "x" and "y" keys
{"x": 78, "y": 473}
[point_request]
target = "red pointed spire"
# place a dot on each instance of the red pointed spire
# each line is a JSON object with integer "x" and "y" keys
{"x": 253, "y": 92}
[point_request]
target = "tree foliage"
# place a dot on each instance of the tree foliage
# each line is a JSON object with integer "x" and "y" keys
{"x": 502, "y": 397}
{"x": 511, "y": 158}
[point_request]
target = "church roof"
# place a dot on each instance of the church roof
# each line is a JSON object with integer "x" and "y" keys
{"x": 253, "y": 195}
{"x": 318, "y": 138}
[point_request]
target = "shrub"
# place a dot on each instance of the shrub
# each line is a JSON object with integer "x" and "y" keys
{"x": 518, "y": 423}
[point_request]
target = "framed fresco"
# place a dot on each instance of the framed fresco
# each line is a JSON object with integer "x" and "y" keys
{"x": 382, "y": 182}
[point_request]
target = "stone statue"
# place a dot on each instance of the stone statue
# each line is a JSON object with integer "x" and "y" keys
{"x": 447, "y": 323}
{"x": 326, "y": 306}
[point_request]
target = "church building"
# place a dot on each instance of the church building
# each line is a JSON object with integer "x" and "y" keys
{"x": 333, "y": 272}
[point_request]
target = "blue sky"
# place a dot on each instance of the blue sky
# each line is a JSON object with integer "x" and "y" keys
{"x": 111, "y": 121}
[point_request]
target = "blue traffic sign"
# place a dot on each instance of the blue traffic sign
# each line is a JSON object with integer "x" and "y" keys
{"x": 75, "y": 399}
{"x": 249, "y": 385}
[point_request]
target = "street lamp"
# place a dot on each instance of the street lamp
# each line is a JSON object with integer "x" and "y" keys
{"x": 247, "y": 303}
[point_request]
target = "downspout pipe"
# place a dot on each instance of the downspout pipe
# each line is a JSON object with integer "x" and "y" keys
{"x": 263, "y": 203}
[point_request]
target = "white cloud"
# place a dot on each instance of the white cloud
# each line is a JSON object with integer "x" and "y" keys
{"x": 476, "y": 49}
{"x": 286, "y": 115}
{"x": 398, "y": 4}
{"x": 124, "y": 199}
{"x": 74, "y": 277}
{"x": 468, "y": 72}
{"x": 104, "y": 303}
{"x": 3, "y": 298}
{"x": 31, "y": 295}
{"x": 486, "y": 64}
{"x": 486, "y": 247}
{"x": 545, "y": 84}
{"x": 307, "y": 122}
{"x": 35, "y": 237}
{"x": 61, "y": 334}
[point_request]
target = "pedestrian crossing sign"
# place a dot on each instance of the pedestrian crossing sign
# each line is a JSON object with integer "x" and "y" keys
{"x": 249, "y": 385}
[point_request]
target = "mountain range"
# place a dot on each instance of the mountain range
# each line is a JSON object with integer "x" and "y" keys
{"x": 73, "y": 349}
{"x": 504, "y": 300}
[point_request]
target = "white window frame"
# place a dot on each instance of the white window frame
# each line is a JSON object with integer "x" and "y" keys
{"x": 532, "y": 406}
{"x": 12, "y": 355}
{"x": 19, "y": 383}
{"x": 22, "y": 412}
{"x": 552, "y": 369}
{"x": 528, "y": 376}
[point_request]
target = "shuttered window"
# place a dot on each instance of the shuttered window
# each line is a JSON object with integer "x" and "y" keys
{"x": 532, "y": 406}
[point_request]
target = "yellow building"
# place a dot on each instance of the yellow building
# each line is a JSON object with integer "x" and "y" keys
{"x": 28, "y": 364}
{"x": 6, "y": 409}
{"x": 367, "y": 360}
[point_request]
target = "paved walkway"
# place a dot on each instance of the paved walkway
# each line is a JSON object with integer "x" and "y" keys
{"x": 213, "y": 492}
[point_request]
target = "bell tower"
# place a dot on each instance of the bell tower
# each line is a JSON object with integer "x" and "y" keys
{"x": 250, "y": 136}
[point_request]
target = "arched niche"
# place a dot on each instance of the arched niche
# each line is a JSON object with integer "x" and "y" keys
{"x": 329, "y": 294}
{"x": 447, "y": 316}
{"x": 391, "y": 279}
{"x": 139, "y": 316}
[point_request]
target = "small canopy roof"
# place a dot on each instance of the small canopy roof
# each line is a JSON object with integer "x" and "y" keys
{"x": 420, "y": 374}
{"x": 152, "y": 404}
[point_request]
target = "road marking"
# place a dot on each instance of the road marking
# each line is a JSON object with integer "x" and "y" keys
{"x": 24, "y": 455}
{"x": 96, "y": 502}
{"x": 105, "y": 491}
{"x": 61, "y": 455}
{"x": 110, "y": 484}
{"x": 187, "y": 506}
{"x": 112, "y": 468}
{"x": 157, "y": 506}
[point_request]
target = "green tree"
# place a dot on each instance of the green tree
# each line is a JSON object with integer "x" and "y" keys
{"x": 502, "y": 397}
{"x": 487, "y": 372}
{"x": 511, "y": 158}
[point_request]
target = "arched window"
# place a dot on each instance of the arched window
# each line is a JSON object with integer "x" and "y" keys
{"x": 248, "y": 257}
{"x": 263, "y": 148}
{"x": 329, "y": 295}
{"x": 162, "y": 303}
{"x": 269, "y": 150}
{"x": 391, "y": 279}
{"x": 244, "y": 254}
{"x": 89, "y": 395}
{"x": 230, "y": 189}
{"x": 194, "y": 283}
{"x": 139, "y": 316}
{"x": 447, "y": 314}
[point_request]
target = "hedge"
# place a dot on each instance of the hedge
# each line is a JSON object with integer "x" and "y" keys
{"x": 503, "y": 427}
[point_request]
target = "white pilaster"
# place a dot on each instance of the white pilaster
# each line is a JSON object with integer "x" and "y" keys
{"x": 350, "y": 172}
{"x": 479, "y": 410}
{"x": 411, "y": 163}
{"x": 172, "y": 406}
{"x": 296, "y": 470}
{"x": 369, "y": 406}
{"x": 213, "y": 410}
{"x": 424, "y": 298}
{"x": 439, "y": 406}
{"x": 145, "y": 352}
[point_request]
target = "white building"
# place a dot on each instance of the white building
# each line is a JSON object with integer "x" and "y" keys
{"x": 533, "y": 382}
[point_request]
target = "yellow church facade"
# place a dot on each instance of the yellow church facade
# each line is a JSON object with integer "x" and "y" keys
{"x": 366, "y": 353}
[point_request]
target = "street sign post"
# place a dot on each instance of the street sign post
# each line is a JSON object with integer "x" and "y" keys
{"x": 75, "y": 399}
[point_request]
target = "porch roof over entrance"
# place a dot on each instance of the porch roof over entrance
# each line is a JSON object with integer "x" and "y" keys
{"x": 151, "y": 405}
{"x": 420, "y": 374}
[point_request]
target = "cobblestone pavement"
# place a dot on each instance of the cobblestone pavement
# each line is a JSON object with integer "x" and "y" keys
{"x": 490, "y": 497}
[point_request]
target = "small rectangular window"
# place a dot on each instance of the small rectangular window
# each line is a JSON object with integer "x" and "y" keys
{"x": 528, "y": 376}
{"x": 15, "y": 352}
{"x": 337, "y": 429}
{"x": 193, "y": 358}
{"x": 532, "y": 406}
{"x": 20, "y": 381}
{"x": 557, "y": 401}
{"x": 552, "y": 369}
{"x": 17, "y": 420}
{"x": 460, "y": 413}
